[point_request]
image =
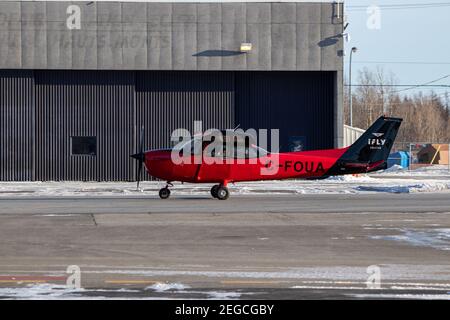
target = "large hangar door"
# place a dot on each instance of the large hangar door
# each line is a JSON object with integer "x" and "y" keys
{"x": 16, "y": 125}
{"x": 168, "y": 100}
{"x": 84, "y": 125}
{"x": 300, "y": 104}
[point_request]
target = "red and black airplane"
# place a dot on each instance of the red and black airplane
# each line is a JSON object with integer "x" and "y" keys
{"x": 369, "y": 153}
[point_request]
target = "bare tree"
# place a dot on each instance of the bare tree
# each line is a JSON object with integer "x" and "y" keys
{"x": 426, "y": 117}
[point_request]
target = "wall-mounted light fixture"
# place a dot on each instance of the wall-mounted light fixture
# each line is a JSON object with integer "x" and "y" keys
{"x": 246, "y": 47}
{"x": 346, "y": 36}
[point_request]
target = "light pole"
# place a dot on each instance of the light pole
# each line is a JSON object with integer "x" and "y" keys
{"x": 354, "y": 49}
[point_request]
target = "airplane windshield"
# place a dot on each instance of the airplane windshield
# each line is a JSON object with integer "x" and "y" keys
{"x": 190, "y": 146}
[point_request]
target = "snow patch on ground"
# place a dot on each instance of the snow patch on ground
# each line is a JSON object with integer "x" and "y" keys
{"x": 401, "y": 296}
{"x": 433, "y": 238}
{"x": 41, "y": 291}
{"x": 161, "y": 287}
{"x": 180, "y": 288}
{"x": 411, "y": 188}
{"x": 49, "y": 291}
{"x": 387, "y": 189}
{"x": 351, "y": 178}
{"x": 221, "y": 295}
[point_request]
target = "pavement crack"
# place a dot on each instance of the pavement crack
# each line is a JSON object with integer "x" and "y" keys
{"x": 93, "y": 219}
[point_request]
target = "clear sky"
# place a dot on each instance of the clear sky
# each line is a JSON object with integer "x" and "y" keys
{"x": 405, "y": 35}
{"x": 412, "y": 41}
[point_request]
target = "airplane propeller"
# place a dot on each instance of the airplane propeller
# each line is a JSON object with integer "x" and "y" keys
{"x": 140, "y": 156}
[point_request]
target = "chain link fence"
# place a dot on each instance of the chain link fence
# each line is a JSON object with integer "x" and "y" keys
{"x": 421, "y": 155}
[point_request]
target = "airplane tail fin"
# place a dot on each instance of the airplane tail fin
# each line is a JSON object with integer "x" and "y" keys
{"x": 371, "y": 151}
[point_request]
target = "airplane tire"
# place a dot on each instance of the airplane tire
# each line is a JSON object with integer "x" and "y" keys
{"x": 164, "y": 193}
{"x": 214, "y": 190}
{"x": 222, "y": 193}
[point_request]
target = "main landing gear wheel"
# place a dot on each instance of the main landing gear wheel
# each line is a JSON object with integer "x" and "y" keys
{"x": 214, "y": 190}
{"x": 164, "y": 193}
{"x": 222, "y": 193}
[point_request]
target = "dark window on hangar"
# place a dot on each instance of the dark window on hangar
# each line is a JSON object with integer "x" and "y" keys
{"x": 84, "y": 146}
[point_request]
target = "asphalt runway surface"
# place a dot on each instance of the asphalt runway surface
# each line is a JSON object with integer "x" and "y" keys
{"x": 264, "y": 203}
{"x": 257, "y": 247}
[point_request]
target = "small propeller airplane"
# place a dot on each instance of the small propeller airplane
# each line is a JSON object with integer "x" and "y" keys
{"x": 368, "y": 154}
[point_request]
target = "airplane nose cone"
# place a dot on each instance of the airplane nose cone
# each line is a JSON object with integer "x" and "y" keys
{"x": 138, "y": 156}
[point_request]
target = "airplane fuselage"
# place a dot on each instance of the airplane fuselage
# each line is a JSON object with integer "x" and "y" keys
{"x": 273, "y": 166}
{"x": 249, "y": 162}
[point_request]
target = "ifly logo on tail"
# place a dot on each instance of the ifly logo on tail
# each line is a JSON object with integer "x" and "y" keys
{"x": 378, "y": 135}
{"x": 377, "y": 142}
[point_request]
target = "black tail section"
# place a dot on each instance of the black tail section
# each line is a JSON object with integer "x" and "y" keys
{"x": 376, "y": 143}
{"x": 371, "y": 151}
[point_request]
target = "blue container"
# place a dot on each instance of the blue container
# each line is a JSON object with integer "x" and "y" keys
{"x": 400, "y": 158}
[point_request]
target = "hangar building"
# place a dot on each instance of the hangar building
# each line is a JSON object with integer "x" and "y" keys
{"x": 79, "y": 78}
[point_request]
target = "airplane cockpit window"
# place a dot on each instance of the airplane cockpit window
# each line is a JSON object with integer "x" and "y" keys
{"x": 245, "y": 148}
{"x": 232, "y": 146}
{"x": 248, "y": 152}
{"x": 190, "y": 147}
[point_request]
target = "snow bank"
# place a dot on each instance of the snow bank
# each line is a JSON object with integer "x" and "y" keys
{"x": 395, "y": 168}
{"x": 432, "y": 171}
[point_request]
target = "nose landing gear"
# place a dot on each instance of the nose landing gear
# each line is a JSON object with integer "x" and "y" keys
{"x": 164, "y": 193}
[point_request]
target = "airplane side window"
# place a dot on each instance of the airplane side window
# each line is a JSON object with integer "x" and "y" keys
{"x": 260, "y": 152}
{"x": 245, "y": 152}
{"x": 228, "y": 153}
{"x": 240, "y": 151}
{"x": 252, "y": 152}
{"x": 243, "y": 149}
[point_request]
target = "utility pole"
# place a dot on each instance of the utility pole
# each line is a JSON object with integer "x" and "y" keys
{"x": 354, "y": 49}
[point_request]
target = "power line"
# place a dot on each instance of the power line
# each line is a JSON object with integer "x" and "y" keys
{"x": 442, "y": 96}
{"x": 401, "y": 6}
{"x": 408, "y": 87}
{"x": 402, "y": 62}
{"x": 399, "y": 85}
{"x": 390, "y": 103}
{"x": 424, "y": 84}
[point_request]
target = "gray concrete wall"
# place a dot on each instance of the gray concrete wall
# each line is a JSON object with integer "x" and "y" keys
{"x": 175, "y": 36}
{"x": 170, "y": 36}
